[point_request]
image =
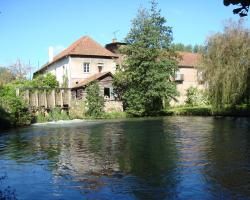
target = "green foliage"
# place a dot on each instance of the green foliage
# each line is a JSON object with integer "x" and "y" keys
{"x": 115, "y": 115}
{"x": 242, "y": 10}
{"x": 65, "y": 79}
{"x": 226, "y": 66}
{"x": 196, "y": 97}
{"x": 47, "y": 80}
{"x": 198, "y": 48}
{"x": 145, "y": 79}
{"x": 77, "y": 109}
{"x": 94, "y": 101}
{"x": 242, "y": 110}
{"x": 182, "y": 47}
{"x": 190, "y": 111}
{"x": 14, "y": 111}
{"x": 55, "y": 114}
{"x": 188, "y": 48}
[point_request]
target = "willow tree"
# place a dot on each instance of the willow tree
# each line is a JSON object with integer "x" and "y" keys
{"x": 145, "y": 79}
{"x": 226, "y": 66}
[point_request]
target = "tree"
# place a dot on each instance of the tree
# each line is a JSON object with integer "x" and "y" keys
{"x": 19, "y": 69}
{"x": 94, "y": 100}
{"x": 198, "y": 48}
{"x": 13, "y": 110}
{"x": 242, "y": 10}
{"x": 48, "y": 80}
{"x": 145, "y": 78}
{"x": 226, "y": 66}
{"x": 182, "y": 47}
{"x": 5, "y": 76}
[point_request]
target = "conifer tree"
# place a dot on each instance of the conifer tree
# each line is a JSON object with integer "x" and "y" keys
{"x": 145, "y": 80}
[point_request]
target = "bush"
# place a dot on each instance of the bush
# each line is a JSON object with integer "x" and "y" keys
{"x": 77, "y": 109}
{"x": 94, "y": 101}
{"x": 48, "y": 80}
{"x": 190, "y": 111}
{"x": 55, "y": 114}
{"x": 196, "y": 97}
{"x": 115, "y": 115}
{"x": 14, "y": 111}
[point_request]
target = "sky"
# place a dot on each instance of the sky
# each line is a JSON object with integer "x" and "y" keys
{"x": 29, "y": 27}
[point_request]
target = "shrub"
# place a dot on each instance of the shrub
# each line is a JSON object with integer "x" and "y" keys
{"x": 55, "y": 114}
{"x": 196, "y": 97}
{"x": 192, "y": 111}
{"x": 94, "y": 101}
{"x": 115, "y": 115}
{"x": 77, "y": 109}
{"x": 14, "y": 109}
{"x": 48, "y": 80}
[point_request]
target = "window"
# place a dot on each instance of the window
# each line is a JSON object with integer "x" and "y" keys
{"x": 85, "y": 67}
{"x": 107, "y": 92}
{"x": 179, "y": 77}
{"x": 100, "y": 67}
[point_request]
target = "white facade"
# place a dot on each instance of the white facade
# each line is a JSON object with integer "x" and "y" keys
{"x": 76, "y": 67}
{"x": 73, "y": 68}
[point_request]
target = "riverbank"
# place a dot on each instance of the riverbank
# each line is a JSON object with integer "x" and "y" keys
{"x": 63, "y": 117}
{"x": 237, "y": 111}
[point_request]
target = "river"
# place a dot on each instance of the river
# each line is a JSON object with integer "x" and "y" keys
{"x": 150, "y": 158}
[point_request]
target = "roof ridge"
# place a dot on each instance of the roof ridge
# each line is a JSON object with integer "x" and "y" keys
{"x": 78, "y": 42}
{"x": 84, "y": 46}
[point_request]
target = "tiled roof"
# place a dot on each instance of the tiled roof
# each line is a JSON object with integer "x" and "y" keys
{"x": 92, "y": 78}
{"x": 85, "y": 46}
{"x": 188, "y": 59}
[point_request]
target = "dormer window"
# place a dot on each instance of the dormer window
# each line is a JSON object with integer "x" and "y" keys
{"x": 85, "y": 67}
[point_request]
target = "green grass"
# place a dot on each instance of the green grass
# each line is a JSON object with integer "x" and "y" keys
{"x": 55, "y": 114}
{"x": 190, "y": 111}
{"x": 237, "y": 111}
{"x": 242, "y": 110}
{"x": 115, "y": 115}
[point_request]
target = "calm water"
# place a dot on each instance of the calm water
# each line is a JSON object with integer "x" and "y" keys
{"x": 161, "y": 158}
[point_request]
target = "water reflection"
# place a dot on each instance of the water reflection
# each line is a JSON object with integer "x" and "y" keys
{"x": 228, "y": 153}
{"x": 161, "y": 158}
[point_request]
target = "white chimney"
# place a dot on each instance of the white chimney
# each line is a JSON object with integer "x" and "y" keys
{"x": 51, "y": 54}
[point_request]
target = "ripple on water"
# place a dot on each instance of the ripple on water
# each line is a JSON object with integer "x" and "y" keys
{"x": 155, "y": 158}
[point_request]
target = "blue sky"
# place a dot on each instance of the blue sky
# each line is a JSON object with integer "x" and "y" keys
{"x": 29, "y": 27}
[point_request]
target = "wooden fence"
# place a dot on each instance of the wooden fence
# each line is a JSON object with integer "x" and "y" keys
{"x": 46, "y": 98}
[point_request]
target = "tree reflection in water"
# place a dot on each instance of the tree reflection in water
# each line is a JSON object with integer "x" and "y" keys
{"x": 159, "y": 158}
{"x": 138, "y": 157}
{"x": 228, "y": 153}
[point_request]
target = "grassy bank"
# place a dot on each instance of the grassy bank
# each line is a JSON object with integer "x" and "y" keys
{"x": 57, "y": 114}
{"x": 236, "y": 111}
{"x": 189, "y": 111}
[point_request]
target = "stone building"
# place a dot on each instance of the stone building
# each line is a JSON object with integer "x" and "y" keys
{"x": 86, "y": 61}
